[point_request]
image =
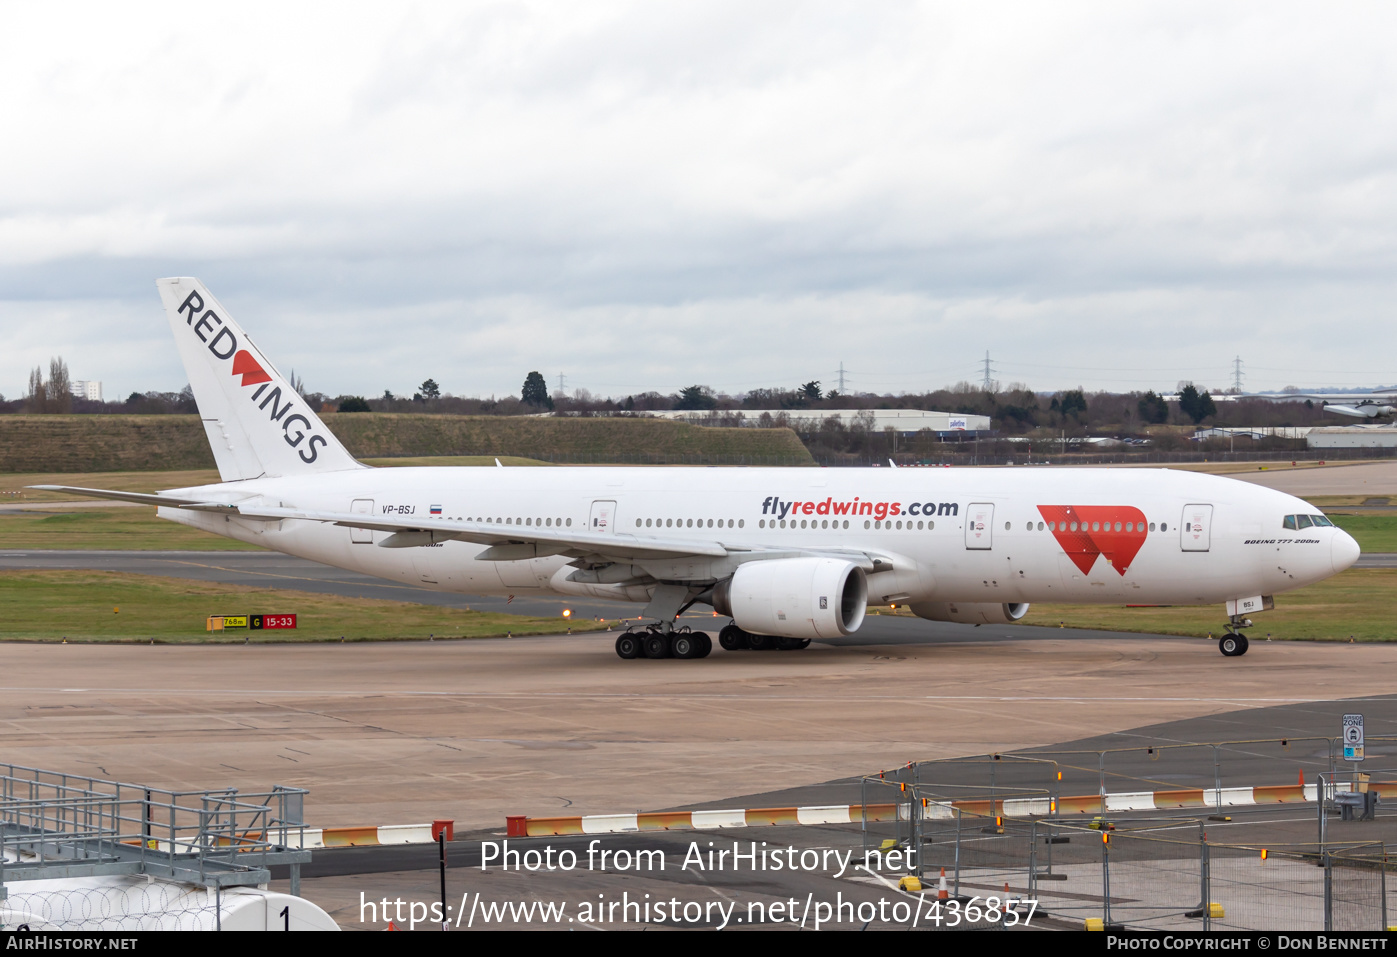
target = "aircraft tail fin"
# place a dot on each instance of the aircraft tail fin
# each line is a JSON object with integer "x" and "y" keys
{"x": 256, "y": 422}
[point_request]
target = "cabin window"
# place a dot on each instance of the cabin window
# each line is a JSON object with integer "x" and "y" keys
{"x": 740, "y": 522}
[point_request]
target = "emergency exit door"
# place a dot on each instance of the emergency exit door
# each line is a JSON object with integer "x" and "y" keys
{"x": 362, "y": 536}
{"x": 1196, "y": 528}
{"x": 979, "y": 525}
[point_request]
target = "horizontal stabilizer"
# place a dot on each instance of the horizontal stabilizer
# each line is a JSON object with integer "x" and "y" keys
{"x": 140, "y": 498}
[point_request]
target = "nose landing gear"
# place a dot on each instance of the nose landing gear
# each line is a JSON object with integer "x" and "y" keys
{"x": 1233, "y": 643}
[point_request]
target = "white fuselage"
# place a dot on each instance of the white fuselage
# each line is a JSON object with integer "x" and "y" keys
{"x": 968, "y": 535}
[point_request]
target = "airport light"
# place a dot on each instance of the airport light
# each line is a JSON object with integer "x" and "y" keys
{"x": 567, "y": 612}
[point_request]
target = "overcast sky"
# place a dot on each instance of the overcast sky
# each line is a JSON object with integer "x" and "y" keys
{"x": 643, "y": 196}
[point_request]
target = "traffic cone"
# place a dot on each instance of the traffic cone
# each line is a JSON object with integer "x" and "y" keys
{"x": 1006, "y": 897}
{"x": 941, "y": 892}
{"x": 1302, "y": 777}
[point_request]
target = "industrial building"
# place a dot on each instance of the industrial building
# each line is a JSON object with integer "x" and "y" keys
{"x": 904, "y": 421}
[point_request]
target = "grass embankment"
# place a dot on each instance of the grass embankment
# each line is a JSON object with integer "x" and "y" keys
{"x": 14, "y": 487}
{"x": 107, "y": 529}
{"x": 117, "y": 607}
{"x": 1357, "y": 603}
{"x": 112, "y": 443}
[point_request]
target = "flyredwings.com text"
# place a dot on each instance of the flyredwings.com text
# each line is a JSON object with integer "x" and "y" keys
{"x": 774, "y": 506}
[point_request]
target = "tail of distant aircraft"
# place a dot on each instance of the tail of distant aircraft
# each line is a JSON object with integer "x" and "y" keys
{"x": 256, "y": 422}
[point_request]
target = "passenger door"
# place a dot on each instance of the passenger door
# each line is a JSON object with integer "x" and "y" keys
{"x": 603, "y": 516}
{"x": 979, "y": 525}
{"x": 1196, "y": 528}
{"x": 361, "y": 536}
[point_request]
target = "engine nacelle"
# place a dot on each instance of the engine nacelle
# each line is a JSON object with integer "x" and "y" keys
{"x": 970, "y": 613}
{"x": 795, "y": 597}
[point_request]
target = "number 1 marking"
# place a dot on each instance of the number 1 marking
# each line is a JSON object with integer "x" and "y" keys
{"x": 285, "y": 916}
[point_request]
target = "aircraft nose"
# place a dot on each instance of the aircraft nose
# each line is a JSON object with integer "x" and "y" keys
{"x": 1344, "y": 550}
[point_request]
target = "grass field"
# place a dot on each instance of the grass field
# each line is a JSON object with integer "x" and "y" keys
{"x": 1374, "y": 532}
{"x": 117, "y": 607}
{"x": 117, "y": 528}
{"x": 1358, "y": 603}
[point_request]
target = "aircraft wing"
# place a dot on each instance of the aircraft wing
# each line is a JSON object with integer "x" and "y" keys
{"x": 1364, "y": 411}
{"x": 506, "y": 542}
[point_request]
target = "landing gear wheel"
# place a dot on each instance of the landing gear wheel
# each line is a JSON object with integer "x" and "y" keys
{"x": 760, "y": 642}
{"x": 792, "y": 644}
{"x": 656, "y": 645}
{"x": 705, "y": 645}
{"x": 1233, "y": 646}
{"x": 684, "y": 646}
{"x": 732, "y": 638}
{"x": 627, "y": 646}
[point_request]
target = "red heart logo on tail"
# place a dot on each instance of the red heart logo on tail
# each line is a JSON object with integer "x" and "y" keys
{"x": 247, "y": 367}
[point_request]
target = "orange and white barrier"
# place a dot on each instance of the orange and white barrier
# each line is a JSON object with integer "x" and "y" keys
{"x": 318, "y": 837}
{"x": 1093, "y": 804}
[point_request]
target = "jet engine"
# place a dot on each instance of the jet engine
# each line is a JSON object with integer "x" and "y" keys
{"x": 970, "y": 613}
{"x": 795, "y": 597}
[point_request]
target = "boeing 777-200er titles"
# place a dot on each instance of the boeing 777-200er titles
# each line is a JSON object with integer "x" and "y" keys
{"x": 789, "y": 554}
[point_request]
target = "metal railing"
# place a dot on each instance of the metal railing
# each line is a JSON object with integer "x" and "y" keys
{"x": 58, "y": 825}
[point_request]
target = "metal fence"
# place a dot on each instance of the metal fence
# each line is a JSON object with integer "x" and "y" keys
{"x": 1135, "y": 871}
{"x": 1220, "y": 770}
{"x": 129, "y": 906}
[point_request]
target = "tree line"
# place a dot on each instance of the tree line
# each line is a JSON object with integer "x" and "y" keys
{"x": 1016, "y": 410}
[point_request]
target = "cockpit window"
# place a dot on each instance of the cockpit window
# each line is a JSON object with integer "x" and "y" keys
{"x": 1289, "y": 522}
{"x": 1302, "y": 521}
{"x": 1320, "y": 520}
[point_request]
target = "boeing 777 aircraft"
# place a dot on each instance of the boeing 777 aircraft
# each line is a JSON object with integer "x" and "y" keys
{"x": 789, "y": 554}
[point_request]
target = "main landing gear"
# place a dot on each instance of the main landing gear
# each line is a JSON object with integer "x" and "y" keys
{"x": 1233, "y": 643}
{"x": 657, "y": 642}
{"x": 733, "y": 638}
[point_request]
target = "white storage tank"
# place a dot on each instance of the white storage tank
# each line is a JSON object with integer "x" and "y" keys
{"x": 141, "y": 903}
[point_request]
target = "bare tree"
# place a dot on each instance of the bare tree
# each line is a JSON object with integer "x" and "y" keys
{"x": 37, "y": 397}
{"x": 60, "y": 387}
